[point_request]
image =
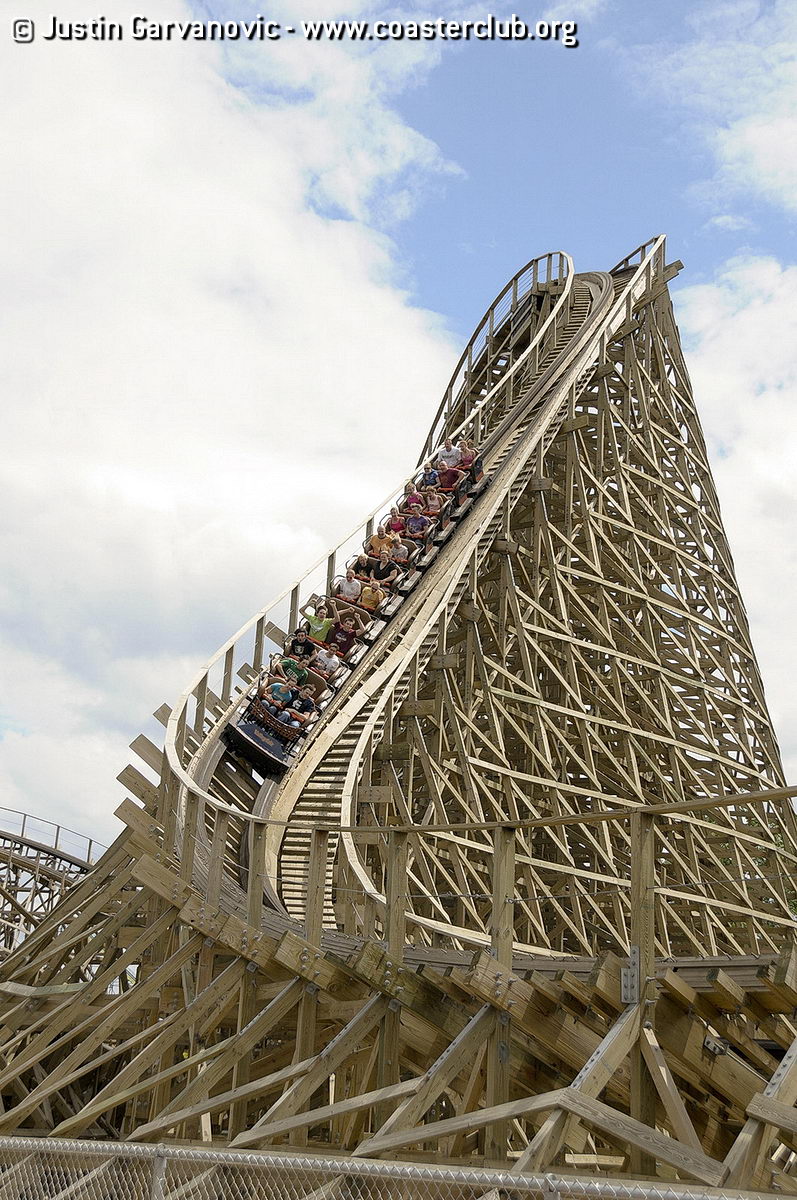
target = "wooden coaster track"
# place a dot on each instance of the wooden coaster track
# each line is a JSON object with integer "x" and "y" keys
{"x": 525, "y": 896}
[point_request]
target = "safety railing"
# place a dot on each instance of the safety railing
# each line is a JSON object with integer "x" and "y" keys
{"x": 90, "y": 1170}
{"x": 654, "y": 245}
{"x": 43, "y": 833}
{"x": 553, "y": 272}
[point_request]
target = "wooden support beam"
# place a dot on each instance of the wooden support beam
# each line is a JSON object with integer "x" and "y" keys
{"x": 469, "y": 1121}
{"x": 650, "y": 1144}
{"x": 643, "y": 963}
{"x": 660, "y": 1073}
{"x": 501, "y": 940}
{"x": 746, "y": 1156}
{"x": 328, "y": 1061}
{"x": 306, "y": 1020}
{"x": 238, "y": 1047}
{"x": 388, "y": 1062}
{"x": 433, "y": 1082}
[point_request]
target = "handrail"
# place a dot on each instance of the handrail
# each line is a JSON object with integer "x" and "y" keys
{"x": 317, "y": 578}
{"x": 641, "y": 252}
{"x": 93, "y": 849}
{"x": 492, "y": 322}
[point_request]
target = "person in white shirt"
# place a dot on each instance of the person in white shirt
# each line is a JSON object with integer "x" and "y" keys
{"x": 326, "y": 662}
{"x": 449, "y": 455}
{"x": 349, "y": 588}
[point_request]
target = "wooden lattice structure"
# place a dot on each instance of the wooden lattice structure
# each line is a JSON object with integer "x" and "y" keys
{"x": 526, "y": 896}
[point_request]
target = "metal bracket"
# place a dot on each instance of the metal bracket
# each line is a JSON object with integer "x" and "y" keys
{"x": 629, "y": 978}
{"x": 551, "y": 1188}
{"x": 715, "y": 1045}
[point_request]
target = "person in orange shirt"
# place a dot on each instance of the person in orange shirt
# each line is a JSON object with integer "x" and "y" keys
{"x": 378, "y": 541}
{"x": 371, "y": 596}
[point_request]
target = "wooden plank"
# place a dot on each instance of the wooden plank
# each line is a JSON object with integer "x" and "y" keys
{"x": 466, "y": 1122}
{"x": 222, "y": 1100}
{"x": 682, "y": 1127}
{"x": 301, "y": 957}
{"x": 725, "y": 992}
{"x": 327, "y": 1112}
{"x": 774, "y": 1113}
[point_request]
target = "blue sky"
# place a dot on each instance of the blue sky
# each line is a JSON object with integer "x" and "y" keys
{"x": 584, "y": 149}
{"x": 242, "y": 275}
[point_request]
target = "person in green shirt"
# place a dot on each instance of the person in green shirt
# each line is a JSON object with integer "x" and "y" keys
{"x": 319, "y": 622}
{"x": 294, "y": 672}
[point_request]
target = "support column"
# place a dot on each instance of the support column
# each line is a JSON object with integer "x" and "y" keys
{"x": 643, "y": 960}
{"x": 313, "y": 925}
{"x": 395, "y": 929}
{"x": 501, "y": 939}
{"x": 247, "y": 1004}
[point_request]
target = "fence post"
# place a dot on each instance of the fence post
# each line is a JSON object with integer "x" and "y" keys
{"x": 157, "y": 1189}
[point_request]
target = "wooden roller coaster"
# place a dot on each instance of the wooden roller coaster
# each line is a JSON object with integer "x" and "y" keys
{"x": 524, "y": 894}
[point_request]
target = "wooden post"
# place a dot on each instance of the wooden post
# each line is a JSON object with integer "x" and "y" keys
{"x": 201, "y": 694}
{"x": 643, "y": 960}
{"x": 247, "y": 1004}
{"x": 293, "y": 619}
{"x": 226, "y": 687}
{"x": 395, "y": 927}
{"x": 257, "y": 648}
{"x": 257, "y": 868}
{"x": 313, "y": 925}
{"x": 501, "y": 938}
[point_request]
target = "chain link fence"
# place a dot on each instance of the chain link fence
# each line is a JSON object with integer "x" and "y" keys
{"x": 33, "y": 1169}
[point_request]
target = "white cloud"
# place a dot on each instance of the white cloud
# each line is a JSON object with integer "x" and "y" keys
{"x": 728, "y": 223}
{"x": 740, "y": 335}
{"x": 736, "y": 78}
{"x": 209, "y": 379}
